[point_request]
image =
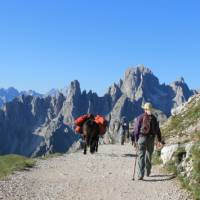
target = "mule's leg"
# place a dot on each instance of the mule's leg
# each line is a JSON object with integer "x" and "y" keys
{"x": 87, "y": 140}
{"x": 91, "y": 142}
{"x": 97, "y": 144}
{"x": 122, "y": 139}
{"x": 85, "y": 146}
{"x": 92, "y": 145}
{"x": 85, "y": 149}
{"x": 128, "y": 136}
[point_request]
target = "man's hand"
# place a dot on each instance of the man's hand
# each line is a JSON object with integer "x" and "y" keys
{"x": 160, "y": 145}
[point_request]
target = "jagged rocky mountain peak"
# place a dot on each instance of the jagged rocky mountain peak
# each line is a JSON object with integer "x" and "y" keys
{"x": 114, "y": 89}
{"x": 74, "y": 88}
{"x": 138, "y": 80}
{"x": 139, "y": 69}
{"x": 38, "y": 125}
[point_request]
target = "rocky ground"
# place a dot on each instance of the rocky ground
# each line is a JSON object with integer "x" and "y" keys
{"x": 103, "y": 176}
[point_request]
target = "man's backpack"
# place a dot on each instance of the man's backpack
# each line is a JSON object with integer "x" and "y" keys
{"x": 146, "y": 124}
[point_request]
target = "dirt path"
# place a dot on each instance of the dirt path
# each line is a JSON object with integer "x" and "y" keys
{"x": 103, "y": 176}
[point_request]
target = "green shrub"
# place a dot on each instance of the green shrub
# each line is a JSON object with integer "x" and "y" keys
{"x": 193, "y": 113}
{"x": 185, "y": 183}
{"x": 196, "y": 170}
{"x": 171, "y": 167}
{"x": 180, "y": 122}
{"x": 156, "y": 160}
{"x": 174, "y": 127}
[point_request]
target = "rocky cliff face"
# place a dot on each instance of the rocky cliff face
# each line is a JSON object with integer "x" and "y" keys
{"x": 182, "y": 152}
{"x": 141, "y": 85}
{"x": 184, "y": 122}
{"x": 38, "y": 125}
{"x": 181, "y": 92}
{"x": 33, "y": 126}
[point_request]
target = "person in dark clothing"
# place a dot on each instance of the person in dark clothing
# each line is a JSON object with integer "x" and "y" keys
{"x": 132, "y": 131}
{"x": 125, "y": 130}
{"x": 146, "y": 129}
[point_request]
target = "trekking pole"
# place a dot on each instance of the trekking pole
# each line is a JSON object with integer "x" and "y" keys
{"x": 135, "y": 162}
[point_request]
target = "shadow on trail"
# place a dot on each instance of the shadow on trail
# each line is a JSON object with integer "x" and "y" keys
{"x": 129, "y": 155}
{"x": 108, "y": 155}
{"x": 160, "y": 178}
{"x": 162, "y": 175}
{"x": 117, "y": 155}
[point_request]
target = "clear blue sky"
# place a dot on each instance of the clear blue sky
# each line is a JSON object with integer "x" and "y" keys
{"x": 45, "y": 44}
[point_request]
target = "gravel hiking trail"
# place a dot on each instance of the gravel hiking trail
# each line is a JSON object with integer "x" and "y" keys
{"x": 106, "y": 175}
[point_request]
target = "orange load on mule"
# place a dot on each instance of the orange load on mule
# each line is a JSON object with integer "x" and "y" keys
{"x": 78, "y": 129}
{"x": 102, "y": 122}
{"x": 80, "y": 120}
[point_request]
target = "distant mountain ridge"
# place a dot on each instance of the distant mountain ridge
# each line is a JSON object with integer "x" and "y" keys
{"x": 42, "y": 125}
{"x": 7, "y": 95}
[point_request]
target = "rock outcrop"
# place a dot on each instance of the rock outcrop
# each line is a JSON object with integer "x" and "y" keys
{"x": 33, "y": 126}
{"x": 182, "y": 135}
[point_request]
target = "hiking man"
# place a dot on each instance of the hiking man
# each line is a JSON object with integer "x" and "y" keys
{"x": 146, "y": 128}
{"x": 125, "y": 130}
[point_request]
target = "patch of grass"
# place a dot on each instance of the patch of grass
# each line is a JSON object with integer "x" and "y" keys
{"x": 175, "y": 125}
{"x": 196, "y": 170}
{"x": 175, "y": 122}
{"x": 193, "y": 113}
{"x": 185, "y": 183}
{"x": 196, "y": 192}
{"x": 171, "y": 167}
{"x": 156, "y": 160}
{"x": 179, "y": 123}
{"x": 11, "y": 163}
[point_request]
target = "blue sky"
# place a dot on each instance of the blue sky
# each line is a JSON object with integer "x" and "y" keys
{"x": 46, "y": 44}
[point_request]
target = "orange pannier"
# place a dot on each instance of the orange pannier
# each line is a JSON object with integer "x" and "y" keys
{"x": 102, "y": 122}
{"x": 80, "y": 120}
{"x": 78, "y": 129}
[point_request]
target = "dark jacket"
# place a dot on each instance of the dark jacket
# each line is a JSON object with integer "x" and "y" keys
{"x": 154, "y": 128}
